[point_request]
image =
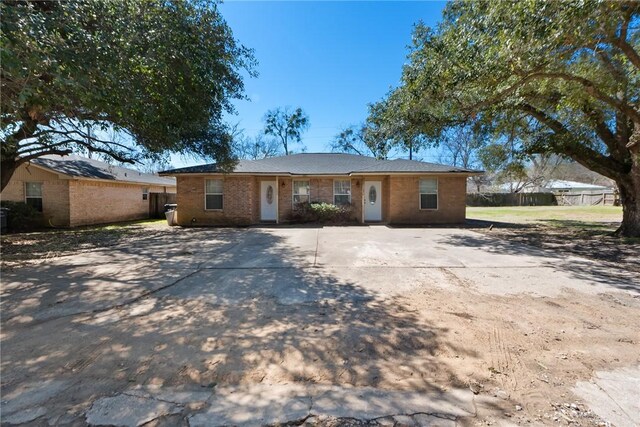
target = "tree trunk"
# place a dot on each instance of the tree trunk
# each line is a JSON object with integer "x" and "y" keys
{"x": 9, "y": 160}
{"x": 629, "y": 188}
{"x": 630, "y": 200}
{"x": 7, "y": 168}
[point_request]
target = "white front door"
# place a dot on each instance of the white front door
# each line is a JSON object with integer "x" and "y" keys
{"x": 372, "y": 201}
{"x": 268, "y": 200}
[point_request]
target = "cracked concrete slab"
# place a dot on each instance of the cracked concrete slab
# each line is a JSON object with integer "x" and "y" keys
{"x": 128, "y": 411}
{"x": 261, "y": 404}
{"x": 613, "y": 395}
{"x": 368, "y": 403}
{"x": 25, "y": 401}
{"x": 255, "y": 405}
{"x": 25, "y": 415}
{"x": 170, "y": 395}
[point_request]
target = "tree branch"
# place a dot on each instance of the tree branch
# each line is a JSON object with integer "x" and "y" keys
{"x": 603, "y": 132}
{"x": 576, "y": 150}
{"x": 621, "y": 41}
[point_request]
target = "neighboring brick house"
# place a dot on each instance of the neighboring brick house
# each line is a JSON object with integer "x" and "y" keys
{"x": 255, "y": 191}
{"x": 72, "y": 190}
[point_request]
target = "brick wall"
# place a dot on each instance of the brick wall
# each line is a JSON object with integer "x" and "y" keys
{"x": 400, "y": 199}
{"x": 55, "y": 193}
{"x": 239, "y": 202}
{"x": 405, "y": 201}
{"x": 285, "y": 198}
{"x": 96, "y": 202}
{"x": 70, "y": 202}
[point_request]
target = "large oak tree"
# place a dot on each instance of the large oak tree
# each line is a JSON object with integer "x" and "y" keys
{"x": 563, "y": 77}
{"x": 161, "y": 71}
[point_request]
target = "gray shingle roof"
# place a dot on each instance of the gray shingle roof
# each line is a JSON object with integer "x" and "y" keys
{"x": 82, "y": 167}
{"x": 323, "y": 164}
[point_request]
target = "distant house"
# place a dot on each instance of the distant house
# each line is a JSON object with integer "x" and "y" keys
{"x": 571, "y": 186}
{"x": 553, "y": 186}
{"x": 73, "y": 190}
{"x": 255, "y": 191}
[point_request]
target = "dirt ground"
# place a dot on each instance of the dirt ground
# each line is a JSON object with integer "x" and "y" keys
{"x": 432, "y": 311}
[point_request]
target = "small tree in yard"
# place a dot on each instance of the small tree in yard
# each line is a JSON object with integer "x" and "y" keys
{"x": 162, "y": 73}
{"x": 363, "y": 140}
{"x": 256, "y": 148}
{"x": 286, "y": 125}
{"x": 564, "y": 76}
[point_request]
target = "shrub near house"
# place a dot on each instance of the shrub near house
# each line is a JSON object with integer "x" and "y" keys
{"x": 322, "y": 212}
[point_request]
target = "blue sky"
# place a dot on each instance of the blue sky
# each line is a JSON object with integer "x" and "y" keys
{"x": 330, "y": 58}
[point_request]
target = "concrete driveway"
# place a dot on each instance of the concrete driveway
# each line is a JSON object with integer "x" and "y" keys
{"x": 266, "y": 325}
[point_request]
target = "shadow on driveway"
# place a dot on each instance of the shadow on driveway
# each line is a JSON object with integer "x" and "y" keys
{"x": 199, "y": 309}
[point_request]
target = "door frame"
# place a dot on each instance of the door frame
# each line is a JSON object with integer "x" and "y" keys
{"x": 364, "y": 205}
{"x": 277, "y": 199}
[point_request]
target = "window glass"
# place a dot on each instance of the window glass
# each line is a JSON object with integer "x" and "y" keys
{"x": 269, "y": 194}
{"x": 33, "y": 189}
{"x": 342, "y": 192}
{"x": 33, "y": 195}
{"x": 214, "y": 194}
{"x": 145, "y": 193}
{"x": 214, "y": 186}
{"x": 429, "y": 193}
{"x": 214, "y": 201}
{"x": 429, "y": 185}
{"x": 300, "y": 191}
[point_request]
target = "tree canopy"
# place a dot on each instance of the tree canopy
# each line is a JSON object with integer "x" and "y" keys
{"x": 162, "y": 72}
{"x": 286, "y": 125}
{"x": 549, "y": 77}
{"x": 364, "y": 139}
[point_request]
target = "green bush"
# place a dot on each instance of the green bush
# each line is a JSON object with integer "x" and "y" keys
{"x": 322, "y": 212}
{"x": 21, "y": 216}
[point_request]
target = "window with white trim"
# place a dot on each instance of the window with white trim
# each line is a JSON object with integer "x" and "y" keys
{"x": 300, "y": 192}
{"x": 214, "y": 194}
{"x": 429, "y": 193}
{"x": 33, "y": 195}
{"x": 342, "y": 192}
{"x": 145, "y": 193}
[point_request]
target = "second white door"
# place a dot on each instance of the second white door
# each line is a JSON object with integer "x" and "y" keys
{"x": 372, "y": 201}
{"x": 268, "y": 200}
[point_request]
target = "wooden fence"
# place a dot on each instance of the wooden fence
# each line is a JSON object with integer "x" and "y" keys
{"x": 586, "y": 198}
{"x": 157, "y": 202}
{"x": 511, "y": 199}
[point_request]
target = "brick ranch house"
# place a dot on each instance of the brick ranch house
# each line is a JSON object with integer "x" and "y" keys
{"x": 71, "y": 191}
{"x": 257, "y": 191}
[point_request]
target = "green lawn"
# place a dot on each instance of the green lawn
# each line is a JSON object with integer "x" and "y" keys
{"x": 587, "y": 215}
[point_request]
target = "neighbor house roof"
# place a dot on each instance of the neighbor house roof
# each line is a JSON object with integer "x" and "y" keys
{"x": 561, "y": 185}
{"x": 82, "y": 167}
{"x": 323, "y": 164}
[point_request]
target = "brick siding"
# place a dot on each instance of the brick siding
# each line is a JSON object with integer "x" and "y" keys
{"x": 55, "y": 193}
{"x": 405, "y": 201}
{"x": 73, "y": 202}
{"x": 400, "y": 199}
{"x": 239, "y": 201}
{"x": 99, "y": 202}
